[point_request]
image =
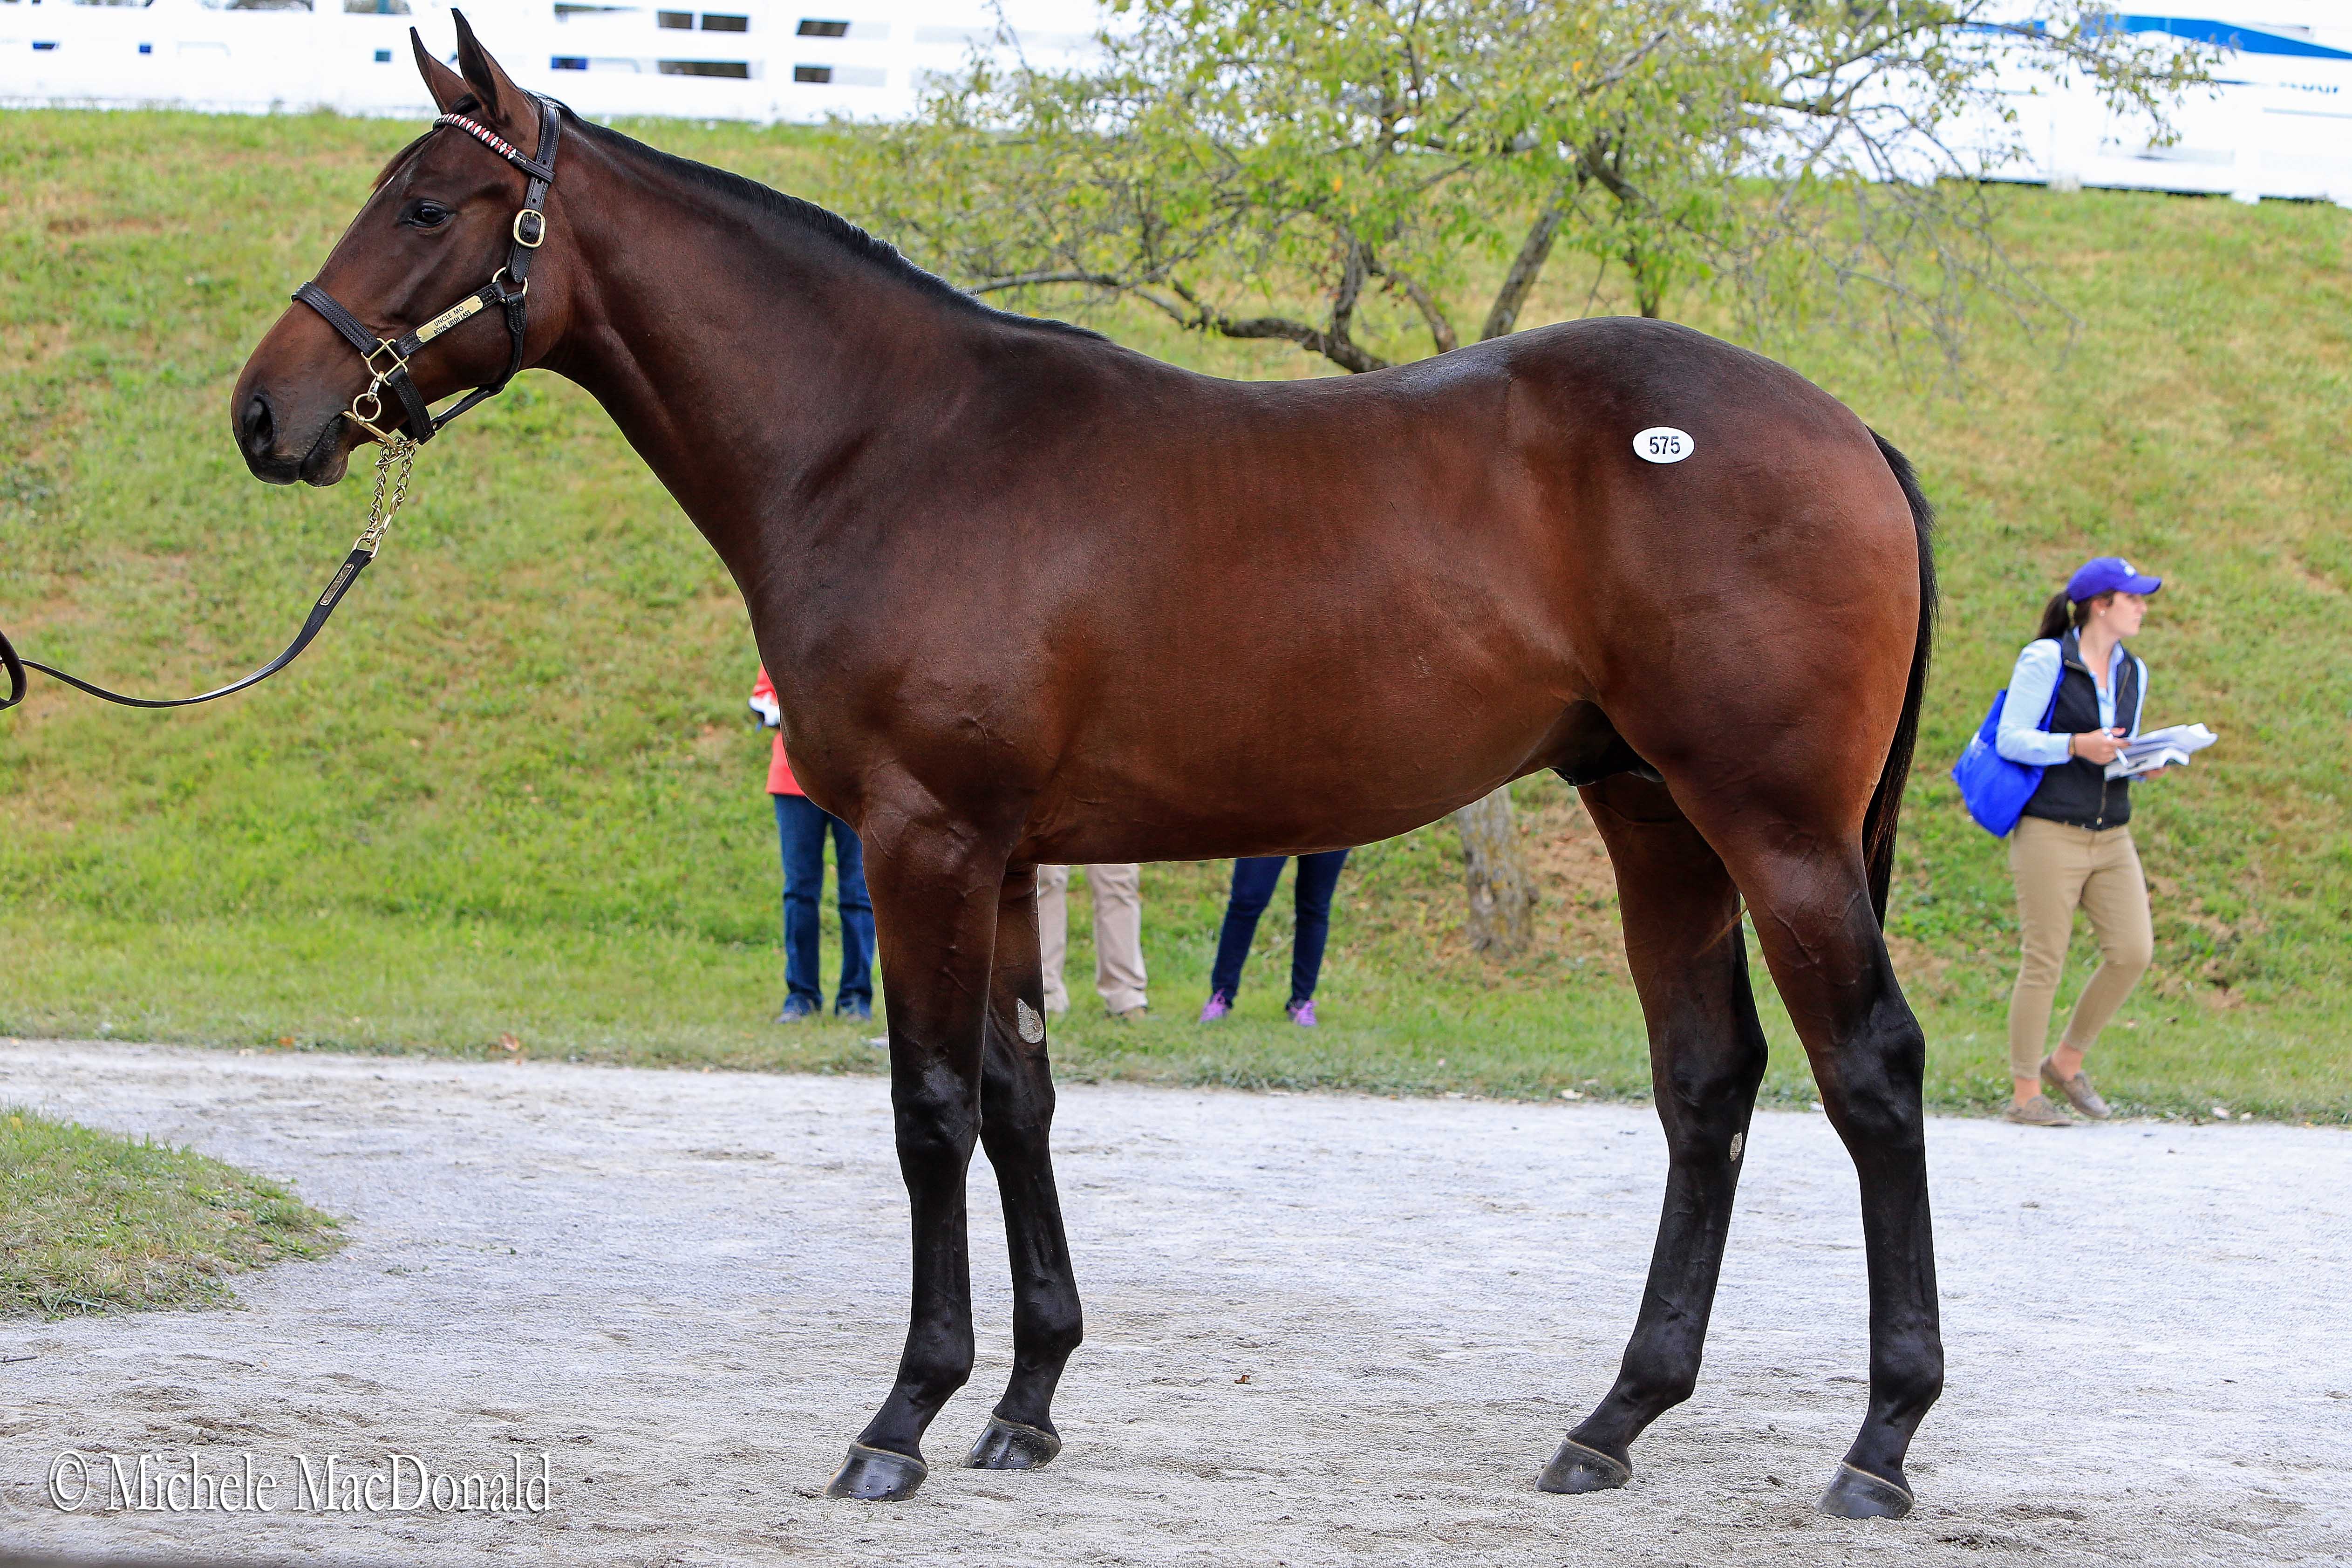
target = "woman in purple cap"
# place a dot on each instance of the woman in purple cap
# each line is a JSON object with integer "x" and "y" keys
{"x": 2072, "y": 848}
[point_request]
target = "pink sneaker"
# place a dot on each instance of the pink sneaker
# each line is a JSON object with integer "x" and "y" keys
{"x": 1215, "y": 1007}
{"x": 1302, "y": 1014}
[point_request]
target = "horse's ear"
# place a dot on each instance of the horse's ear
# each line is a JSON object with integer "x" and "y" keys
{"x": 447, "y": 87}
{"x": 494, "y": 91}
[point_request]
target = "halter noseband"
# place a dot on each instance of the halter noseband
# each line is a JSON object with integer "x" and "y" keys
{"x": 387, "y": 358}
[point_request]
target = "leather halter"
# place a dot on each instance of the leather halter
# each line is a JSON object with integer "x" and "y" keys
{"x": 508, "y": 288}
{"x": 387, "y": 362}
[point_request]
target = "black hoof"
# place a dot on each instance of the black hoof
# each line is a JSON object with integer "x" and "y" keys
{"x": 876, "y": 1474}
{"x": 1858, "y": 1494}
{"x": 1012, "y": 1445}
{"x": 1577, "y": 1469}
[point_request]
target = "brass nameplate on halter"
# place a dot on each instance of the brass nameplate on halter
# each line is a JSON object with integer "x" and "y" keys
{"x": 448, "y": 318}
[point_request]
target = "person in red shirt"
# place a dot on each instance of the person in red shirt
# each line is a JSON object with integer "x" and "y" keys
{"x": 802, "y": 825}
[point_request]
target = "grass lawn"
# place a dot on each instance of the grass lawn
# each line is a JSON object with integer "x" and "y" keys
{"x": 91, "y": 1221}
{"x": 513, "y": 791}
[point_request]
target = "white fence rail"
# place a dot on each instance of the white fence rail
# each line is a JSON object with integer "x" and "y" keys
{"x": 709, "y": 60}
{"x": 2279, "y": 125}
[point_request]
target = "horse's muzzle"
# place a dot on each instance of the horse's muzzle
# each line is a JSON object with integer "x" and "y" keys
{"x": 260, "y": 439}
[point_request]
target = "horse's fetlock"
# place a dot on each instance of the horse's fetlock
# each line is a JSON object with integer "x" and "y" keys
{"x": 1049, "y": 1334}
{"x": 1905, "y": 1385}
{"x": 1659, "y": 1388}
{"x": 935, "y": 1376}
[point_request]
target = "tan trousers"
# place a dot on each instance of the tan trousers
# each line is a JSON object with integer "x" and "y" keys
{"x": 2058, "y": 868}
{"x": 1118, "y": 934}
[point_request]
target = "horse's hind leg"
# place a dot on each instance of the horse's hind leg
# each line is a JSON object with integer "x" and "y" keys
{"x": 1016, "y": 1120}
{"x": 1706, "y": 1055}
{"x": 1813, "y": 916}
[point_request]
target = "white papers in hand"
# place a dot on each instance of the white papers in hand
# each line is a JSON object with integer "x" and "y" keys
{"x": 2164, "y": 748}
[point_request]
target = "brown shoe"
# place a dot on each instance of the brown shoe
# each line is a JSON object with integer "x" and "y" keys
{"x": 1133, "y": 1016}
{"x": 2037, "y": 1112}
{"x": 2077, "y": 1090}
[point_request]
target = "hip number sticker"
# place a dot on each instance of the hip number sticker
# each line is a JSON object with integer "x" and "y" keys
{"x": 1662, "y": 444}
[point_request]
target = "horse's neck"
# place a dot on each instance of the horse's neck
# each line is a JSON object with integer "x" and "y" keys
{"x": 741, "y": 360}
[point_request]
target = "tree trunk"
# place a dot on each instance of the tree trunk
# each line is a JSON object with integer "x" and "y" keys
{"x": 1502, "y": 894}
{"x": 1526, "y": 268}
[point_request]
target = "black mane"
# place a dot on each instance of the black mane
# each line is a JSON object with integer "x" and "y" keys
{"x": 807, "y": 215}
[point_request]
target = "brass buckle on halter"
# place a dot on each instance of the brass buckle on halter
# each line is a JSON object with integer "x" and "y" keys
{"x": 383, "y": 346}
{"x": 539, "y": 236}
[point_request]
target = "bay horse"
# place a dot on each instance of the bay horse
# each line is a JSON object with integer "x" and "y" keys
{"x": 1029, "y": 597}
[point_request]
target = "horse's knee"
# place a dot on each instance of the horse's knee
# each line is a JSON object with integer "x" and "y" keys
{"x": 934, "y": 1122}
{"x": 1702, "y": 1113}
{"x": 1710, "y": 1078}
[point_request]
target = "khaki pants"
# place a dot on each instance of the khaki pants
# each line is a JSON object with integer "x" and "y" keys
{"x": 1118, "y": 934}
{"x": 2057, "y": 868}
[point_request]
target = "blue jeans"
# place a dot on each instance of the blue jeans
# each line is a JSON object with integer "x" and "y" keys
{"x": 1253, "y": 879}
{"x": 801, "y": 824}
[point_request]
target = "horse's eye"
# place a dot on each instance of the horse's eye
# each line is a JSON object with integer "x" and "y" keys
{"x": 425, "y": 215}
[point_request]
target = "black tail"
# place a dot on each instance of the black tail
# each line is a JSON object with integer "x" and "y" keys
{"x": 1886, "y": 801}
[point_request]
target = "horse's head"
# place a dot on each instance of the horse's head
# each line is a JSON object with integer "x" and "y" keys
{"x": 444, "y": 221}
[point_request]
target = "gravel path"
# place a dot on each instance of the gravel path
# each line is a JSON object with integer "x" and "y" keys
{"x": 685, "y": 1289}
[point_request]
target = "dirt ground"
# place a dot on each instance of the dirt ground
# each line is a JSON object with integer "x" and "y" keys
{"x": 1321, "y": 1330}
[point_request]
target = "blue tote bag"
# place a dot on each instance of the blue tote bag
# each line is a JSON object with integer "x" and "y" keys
{"x": 1993, "y": 788}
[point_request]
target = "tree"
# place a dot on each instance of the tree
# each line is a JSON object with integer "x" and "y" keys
{"x": 1344, "y": 174}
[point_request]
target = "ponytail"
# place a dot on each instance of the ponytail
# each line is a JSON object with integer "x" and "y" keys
{"x": 2062, "y": 615}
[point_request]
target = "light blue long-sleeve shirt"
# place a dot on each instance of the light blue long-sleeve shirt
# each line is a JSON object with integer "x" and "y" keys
{"x": 2030, "y": 686}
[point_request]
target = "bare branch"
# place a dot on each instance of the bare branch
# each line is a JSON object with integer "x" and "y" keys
{"x": 1341, "y": 351}
{"x": 1033, "y": 280}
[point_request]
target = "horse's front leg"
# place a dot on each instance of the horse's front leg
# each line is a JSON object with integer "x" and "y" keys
{"x": 934, "y": 902}
{"x": 1016, "y": 1124}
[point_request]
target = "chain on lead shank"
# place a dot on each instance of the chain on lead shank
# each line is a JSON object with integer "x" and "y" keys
{"x": 398, "y": 453}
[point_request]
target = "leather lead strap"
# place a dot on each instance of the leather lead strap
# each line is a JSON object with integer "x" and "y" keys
{"x": 354, "y": 565}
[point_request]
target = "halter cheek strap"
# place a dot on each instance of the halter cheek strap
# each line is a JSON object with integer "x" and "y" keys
{"x": 508, "y": 289}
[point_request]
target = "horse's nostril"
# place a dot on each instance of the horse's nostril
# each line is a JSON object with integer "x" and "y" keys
{"x": 260, "y": 427}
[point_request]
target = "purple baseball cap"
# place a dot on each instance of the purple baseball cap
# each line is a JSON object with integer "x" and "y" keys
{"x": 2108, "y": 574}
